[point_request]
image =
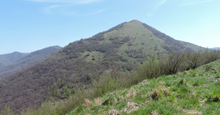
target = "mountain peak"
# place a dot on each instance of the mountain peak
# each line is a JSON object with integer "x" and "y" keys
{"x": 135, "y": 21}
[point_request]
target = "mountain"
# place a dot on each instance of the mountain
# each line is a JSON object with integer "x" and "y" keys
{"x": 75, "y": 66}
{"x": 28, "y": 60}
{"x": 191, "y": 46}
{"x": 7, "y": 59}
{"x": 216, "y": 48}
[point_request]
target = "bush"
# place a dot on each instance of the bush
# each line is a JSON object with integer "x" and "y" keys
{"x": 150, "y": 68}
{"x": 176, "y": 62}
{"x": 106, "y": 84}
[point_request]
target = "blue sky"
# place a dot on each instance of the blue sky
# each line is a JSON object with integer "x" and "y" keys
{"x": 29, "y": 25}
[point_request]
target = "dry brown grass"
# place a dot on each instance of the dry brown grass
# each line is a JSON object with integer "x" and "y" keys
{"x": 131, "y": 92}
{"x": 87, "y": 103}
{"x": 131, "y": 107}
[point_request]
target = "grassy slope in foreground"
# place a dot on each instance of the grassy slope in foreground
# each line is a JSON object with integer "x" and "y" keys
{"x": 190, "y": 92}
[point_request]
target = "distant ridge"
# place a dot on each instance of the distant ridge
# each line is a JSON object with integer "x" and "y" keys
{"x": 77, "y": 65}
{"x": 216, "y": 48}
{"x": 191, "y": 46}
{"x": 6, "y": 59}
{"x": 28, "y": 60}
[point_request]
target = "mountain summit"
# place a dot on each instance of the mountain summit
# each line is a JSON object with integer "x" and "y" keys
{"x": 75, "y": 66}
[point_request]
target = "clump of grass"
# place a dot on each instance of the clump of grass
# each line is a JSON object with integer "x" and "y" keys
{"x": 79, "y": 109}
{"x": 214, "y": 97}
{"x": 193, "y": 73}
{"x": 182, "y": 82}
{"x": 207, "y": 67}
{"x": 196, "y": 83}
{"x": 156, "y": 94}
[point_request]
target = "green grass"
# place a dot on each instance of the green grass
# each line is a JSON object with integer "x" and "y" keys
{"x": 182, "y": 93}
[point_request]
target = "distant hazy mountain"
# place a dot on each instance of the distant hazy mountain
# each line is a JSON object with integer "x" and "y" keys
{"x": 7, "y": 59}
{"x": 216, "y": 48}
{"x": 28, "y": 60}
{"x": 75, "y": 66}
{"x": 192, "y": 47}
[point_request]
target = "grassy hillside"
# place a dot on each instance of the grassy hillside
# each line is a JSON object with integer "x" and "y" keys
{"x": 28, "y": 60}
{"x": 189, "y": 92}
{"x": 7, "y": 59}
{"x": 77, "y": 65}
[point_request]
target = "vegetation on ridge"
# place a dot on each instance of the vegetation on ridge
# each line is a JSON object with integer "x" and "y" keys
{"x": 153, "y": 68}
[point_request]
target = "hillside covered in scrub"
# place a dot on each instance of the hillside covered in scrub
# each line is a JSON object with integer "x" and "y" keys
{"x": 115, "y": 80}
{"x": 189, "y": 92}
{"x": 76, "y": 66}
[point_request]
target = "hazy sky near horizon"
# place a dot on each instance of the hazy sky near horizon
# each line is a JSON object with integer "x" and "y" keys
{"x": 29, "y": 25}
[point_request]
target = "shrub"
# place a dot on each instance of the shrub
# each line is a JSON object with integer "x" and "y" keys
{"x": 6, "y": 111}
{"x": 150, "y": 68}
{"x": 176, "y": 62}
